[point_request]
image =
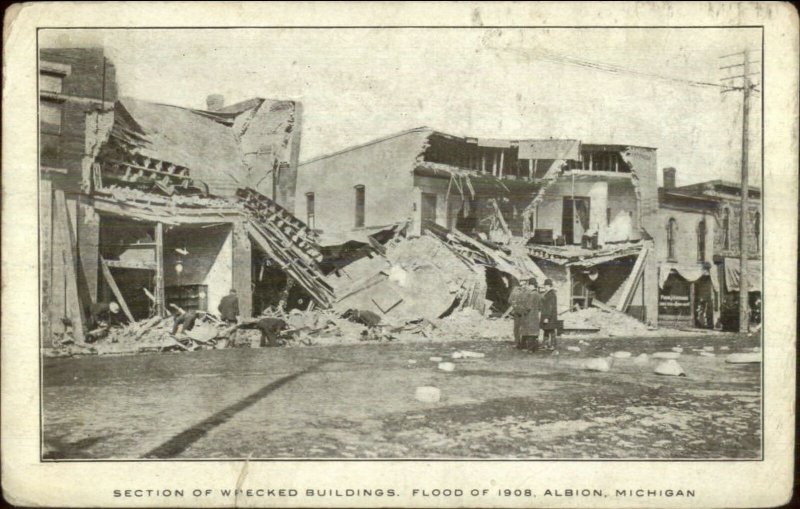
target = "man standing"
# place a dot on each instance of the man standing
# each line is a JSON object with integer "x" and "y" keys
{"x": 526, "y": 304}
{"x": 229, "y": 308}
{"x": 549, "y": 315}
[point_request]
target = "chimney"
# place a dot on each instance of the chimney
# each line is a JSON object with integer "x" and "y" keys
{"x": 669, "y": 178}
{"x": 215, "y": 102}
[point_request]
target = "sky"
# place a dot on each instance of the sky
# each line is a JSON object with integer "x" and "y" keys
{"x": 360, "y": 84}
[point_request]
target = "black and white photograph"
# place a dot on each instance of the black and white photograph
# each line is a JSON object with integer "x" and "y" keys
{"x": 370, "y": 243}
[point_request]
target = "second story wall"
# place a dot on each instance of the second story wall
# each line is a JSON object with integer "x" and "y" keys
{"x": 382, "y": 170}
{"x": 685, "y": 236}
{"x": 726, "y": 238}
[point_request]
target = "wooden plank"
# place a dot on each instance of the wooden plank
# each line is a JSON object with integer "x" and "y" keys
{"x": 633, "y": 278}
{"x": 123, "y": 264}
{"x": 160, "y": 294}
{"x": 74, "y": 308}
{"x": 115, "y": 289}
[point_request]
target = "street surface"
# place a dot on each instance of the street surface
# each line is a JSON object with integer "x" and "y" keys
{"x": 357, "y": 401}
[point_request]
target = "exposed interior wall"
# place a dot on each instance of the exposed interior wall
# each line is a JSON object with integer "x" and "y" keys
{"x": 384, "y": 168}
{"x": 550, "y": 210}
{"x": 449, "y": 201}
{"x": 561, "y": 282}
{"x": 209, "y": 260}
{"x": 624, "y": 220}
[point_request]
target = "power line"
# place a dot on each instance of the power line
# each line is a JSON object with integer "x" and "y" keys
{"x": 550, "y": 56}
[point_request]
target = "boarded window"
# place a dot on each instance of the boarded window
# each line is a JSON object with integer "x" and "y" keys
{"x": 50, "y": 83}
{"x": 50, "y": 114}
{"x": 360, "y": 199}
{"x": 310, "y": 220}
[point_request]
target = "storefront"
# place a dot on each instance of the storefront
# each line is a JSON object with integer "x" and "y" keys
{"x": 729, "y": 275}
{"x": 687, "y": 298}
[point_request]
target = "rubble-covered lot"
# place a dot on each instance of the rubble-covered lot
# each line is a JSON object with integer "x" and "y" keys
{"x": 358, "y": 401}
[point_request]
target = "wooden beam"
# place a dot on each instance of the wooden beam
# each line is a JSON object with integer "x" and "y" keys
{"x": 115, "y": 289}
{"x": 123, "y": 264}
{"x": 501, "y": 170}
{"x": 74, "y": 308}
{"x": 633, "y": 278}
{"x": 160, "y": 295}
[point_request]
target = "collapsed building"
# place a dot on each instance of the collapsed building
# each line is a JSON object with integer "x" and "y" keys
{"x": 560, "y": 209}
{"x": 159, "y": 207}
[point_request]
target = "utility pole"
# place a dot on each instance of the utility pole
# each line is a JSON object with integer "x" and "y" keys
{"x": 746, "y": 88}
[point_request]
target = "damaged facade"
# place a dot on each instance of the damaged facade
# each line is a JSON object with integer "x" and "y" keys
{"x": 574, "y": 210}
{"x": 699, "y": 253}
{"x": 155, "y": 206}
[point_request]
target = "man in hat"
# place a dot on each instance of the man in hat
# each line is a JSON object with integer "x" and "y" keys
{"x": 229, "y": 308}
{"x": 549, "y": 317}
{"x": 526, "y": 304}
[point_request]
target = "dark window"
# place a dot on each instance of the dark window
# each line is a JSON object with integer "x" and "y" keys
{"x": 310, "y": 219}
{"x": 757, "y": 231}
{"x": 671, "y": 227}
{"x": 360, "y": 196}
{"x": 701, "y": 241}
{"x": 608, "y": 217}
{"x": 726, "y": 229}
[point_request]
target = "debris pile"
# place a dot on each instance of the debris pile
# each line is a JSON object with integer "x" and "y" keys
{"x": 607, "y": 323}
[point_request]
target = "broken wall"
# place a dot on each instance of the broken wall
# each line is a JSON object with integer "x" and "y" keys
{"x": 551, "y": 210}
{"x": 270, "y": 147}
{"x": 622, "y": 213}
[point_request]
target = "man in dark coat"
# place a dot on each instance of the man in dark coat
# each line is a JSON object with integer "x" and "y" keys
{"x": 270, "y": 329}
{"x": 229, "y": 308}
{"x": 526, "y": 304}
{"x": 549, "y": 315}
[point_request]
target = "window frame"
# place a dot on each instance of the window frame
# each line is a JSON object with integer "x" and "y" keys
{"x": 360, "y": 208}
{"x": 672, "y": 228}
{"x": 311, "y": 210}
{"x": 702, "y": 233}
{"x": 47, "y": 127}
{"x": 726, "y": 228}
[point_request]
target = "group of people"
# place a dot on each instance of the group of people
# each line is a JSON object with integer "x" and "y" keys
{"x": 535, "y": 310}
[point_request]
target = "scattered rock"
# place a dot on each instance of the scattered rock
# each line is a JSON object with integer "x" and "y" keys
{"x": 457, "y": 355}
{"x": 412, "y": 361}
{"x": 472, "y": 355}
{"x": 707, "y": 354}
{"x": 666, "y": 355}
{"x": 642, "y": 359}
{"x": 447, "y": 366}
{"x": 669, "y": 367}
{"x": 621, "y": 355}
{"x": 743, "y": 358}
{"x": 708, "y": 348}
{"x": 603, "y": 365}
{"x": 428, "y": 394}
{"x": 573, "y": 349}
{"x": 436, "y": 359}
{"x": 677, "y": 349}
{"x": 724, "y": 348}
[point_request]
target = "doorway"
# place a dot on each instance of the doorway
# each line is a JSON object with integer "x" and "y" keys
{"x": 428, "y": 208}
{"x": 575, "y": 218}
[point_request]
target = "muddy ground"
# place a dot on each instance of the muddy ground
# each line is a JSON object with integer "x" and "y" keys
{"x": 357, "y": 401}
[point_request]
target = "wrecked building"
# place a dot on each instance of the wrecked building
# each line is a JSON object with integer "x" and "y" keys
{"x": 580, "y": 212}
{"x": 161, "y": 206}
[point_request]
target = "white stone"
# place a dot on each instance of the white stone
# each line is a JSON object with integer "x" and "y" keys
{"x": 457, "y": 355}
{"x": 573, "y": 348}
{"x": 724, "y": 348}
{"x": 669, "y": 367}
{"x": 642, "y": 359}
{"x": 621, "y": 355}
{"x": 707, "y": 354}
{"x": 743, "y": 358}
{"x": 708, "y": 348}
{"x": 666, "y": 355}
{"x": 603, "y": 365}
{"x": 428, "y": 394}
{"x": 677, "y": 349}
{"x": 447, "y": 366}
{"x": 472, "y": 355}
{"x": 412, "y": 361}
{"x": 756, "y": 348}
{"x": 436, "y": 359}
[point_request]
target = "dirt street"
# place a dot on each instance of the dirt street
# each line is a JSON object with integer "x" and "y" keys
{"x": 357, "y": 401}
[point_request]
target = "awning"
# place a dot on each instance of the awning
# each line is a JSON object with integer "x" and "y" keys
{"x": 732, "y": 275}
{"x": 690, "y": 273}
{"x": 550, "y": 149}
{"x": 494, "y": 143}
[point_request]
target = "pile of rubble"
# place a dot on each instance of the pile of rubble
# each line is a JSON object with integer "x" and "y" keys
{"x": 609, "y": 323}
